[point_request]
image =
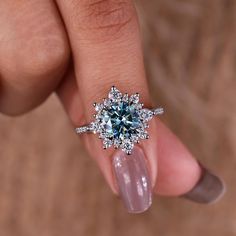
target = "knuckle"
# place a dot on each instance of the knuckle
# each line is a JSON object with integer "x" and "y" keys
{"x": 30, "y": 76}
{"x": 16, "y": 109}
{"x": 34, "y": 46}
{"x": 107, "y": 17}
{"x": 44, "y": 58}
{"x": 39, "y": 59}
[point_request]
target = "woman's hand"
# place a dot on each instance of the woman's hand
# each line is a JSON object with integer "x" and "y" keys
{"x": 80, "y": 48}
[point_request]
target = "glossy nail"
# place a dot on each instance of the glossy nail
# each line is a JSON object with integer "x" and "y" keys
{"x": 133, "y": 180}
{"x": 209, "y": 188}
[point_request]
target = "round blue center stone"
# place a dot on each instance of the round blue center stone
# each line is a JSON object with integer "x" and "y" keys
{"x": 121, "y": 120}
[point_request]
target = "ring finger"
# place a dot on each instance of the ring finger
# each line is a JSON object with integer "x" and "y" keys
{"x": 106, "y": 47}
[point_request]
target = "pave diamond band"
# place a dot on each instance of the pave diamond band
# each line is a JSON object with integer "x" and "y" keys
{"x": 120, "y": 120}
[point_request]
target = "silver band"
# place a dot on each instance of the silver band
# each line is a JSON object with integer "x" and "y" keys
{"x": 89, "y": 128}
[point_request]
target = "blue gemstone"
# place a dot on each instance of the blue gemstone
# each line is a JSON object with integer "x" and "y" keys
{"x": 121, "y": 120}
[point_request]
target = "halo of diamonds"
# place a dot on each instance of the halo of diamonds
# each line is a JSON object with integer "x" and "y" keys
{"x": 120, "y": 120}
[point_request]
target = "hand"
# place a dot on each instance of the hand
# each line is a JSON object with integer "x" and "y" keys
{"x": 80, "y": 48}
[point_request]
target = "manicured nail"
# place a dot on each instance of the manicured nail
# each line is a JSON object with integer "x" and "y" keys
{"x": 209, "y": 188}
{"x": 133, "y": 180}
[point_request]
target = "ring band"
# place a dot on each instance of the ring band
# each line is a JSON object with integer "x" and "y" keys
{"x": 120, "y": 120}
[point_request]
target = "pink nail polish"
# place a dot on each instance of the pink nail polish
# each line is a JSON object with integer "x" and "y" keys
{"x": 133, "y": 180}
{"x": 209, "y": 189}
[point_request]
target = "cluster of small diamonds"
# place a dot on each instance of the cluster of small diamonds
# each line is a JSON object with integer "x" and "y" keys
{"x": 143, "y": 115}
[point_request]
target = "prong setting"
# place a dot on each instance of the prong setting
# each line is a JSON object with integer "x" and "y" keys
{"x": 120, "y": 120}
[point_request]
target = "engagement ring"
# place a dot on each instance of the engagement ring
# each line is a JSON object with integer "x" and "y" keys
{"x": 120, "y": 120}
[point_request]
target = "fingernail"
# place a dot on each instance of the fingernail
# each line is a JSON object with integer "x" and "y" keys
{"x": 209, "y": 189}
{"x": 133, "y": 180}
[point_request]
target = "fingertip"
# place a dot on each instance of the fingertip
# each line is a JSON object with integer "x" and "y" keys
{"x": 209, "y": 189}
{"x": 178, "y": 171}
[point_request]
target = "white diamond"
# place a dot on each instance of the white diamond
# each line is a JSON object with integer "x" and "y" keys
{"x": 134, "y": 98}
{"x": 158, "y": 111}
{"x": 107, "y": 143}
{"x": 107, "y": 102}
{"x": 98, "y": 116}
{"x": 125, "y": 97}
{"x": 138, "y": 106}
{"x": 82, "y": 129}
{"x": 127, "y": 146}
{"x": 134, "y": 138}
{"x": 143, "y": 134}
{"x": 98, "y": 107}
{"x": 94, "y": 127}
{"x": 115, "y": 94}
{"x": 117, "y": 143}
{"x": 146, "y": 114}
{"x": 102, "y": 134}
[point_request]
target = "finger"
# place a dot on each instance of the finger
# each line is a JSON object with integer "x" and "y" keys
{"x": 173, "y": 179}
{"x": 105, "y": 41}
{"x": 188, "y": 178}
{"x": 33, "y": 53}
{"x": 69, "y": 95}
{"x": 70, "y": 98}
{"x": 179, "y": 173}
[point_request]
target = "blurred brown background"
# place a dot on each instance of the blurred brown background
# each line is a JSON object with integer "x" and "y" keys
{"x": 49, "y": 186}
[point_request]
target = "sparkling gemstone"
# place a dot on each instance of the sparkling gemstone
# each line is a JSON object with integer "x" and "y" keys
{"x": 127, "y": 146}
{"x": 146, "y": 114}
{"x": 121, "y": 120}
{"x": 98, "y": 107}
{"x": 107, "y": 102}
{"x": 107, "y": 143}
{"x": 114, "y": 94}
{"x": 134, "y": 98}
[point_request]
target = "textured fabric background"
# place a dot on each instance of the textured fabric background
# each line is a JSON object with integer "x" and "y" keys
{"x": 50, "y": 187}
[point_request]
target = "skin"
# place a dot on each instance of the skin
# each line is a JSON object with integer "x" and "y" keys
{"x": 79, "y": 49}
